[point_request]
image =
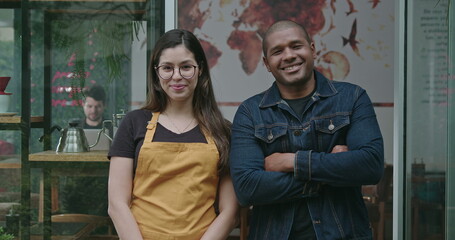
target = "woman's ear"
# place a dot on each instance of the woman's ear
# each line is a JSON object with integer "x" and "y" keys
{"x": 200, "y": 71}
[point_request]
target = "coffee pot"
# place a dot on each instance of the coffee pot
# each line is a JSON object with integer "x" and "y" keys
{"x": 116, "y": 120}
{"x": 73, "y": 140}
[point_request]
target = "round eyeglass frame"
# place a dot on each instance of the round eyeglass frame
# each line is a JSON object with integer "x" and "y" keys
{"x": 173, "y": 71}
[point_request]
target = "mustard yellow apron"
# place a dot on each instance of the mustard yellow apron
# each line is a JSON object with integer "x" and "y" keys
{"x": 174, "y": 187}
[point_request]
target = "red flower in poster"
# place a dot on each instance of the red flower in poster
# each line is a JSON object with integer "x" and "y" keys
{"x": 250, "y": 19}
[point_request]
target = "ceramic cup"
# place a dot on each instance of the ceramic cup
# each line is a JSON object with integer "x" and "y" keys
{"x": 4, "y": 103}
{"x": 5, "y": 97}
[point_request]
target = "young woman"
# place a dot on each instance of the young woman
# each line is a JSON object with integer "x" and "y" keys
{"x": 169, "y": 174}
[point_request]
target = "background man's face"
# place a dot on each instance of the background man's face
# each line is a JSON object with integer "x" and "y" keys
{"x": 93, "y": 109}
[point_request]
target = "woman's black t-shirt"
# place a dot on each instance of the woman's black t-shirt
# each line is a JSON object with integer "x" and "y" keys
{"x": 130, "y": 135}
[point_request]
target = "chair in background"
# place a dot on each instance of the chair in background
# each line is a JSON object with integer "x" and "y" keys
{"x": 244, "y": 225}
{"x": 378, "y": 199}
{"x": 428, "y": 206}
{"x": 241, "y": 231}
{"x": 73, "y": 225}
{"x": 91, "y": 223}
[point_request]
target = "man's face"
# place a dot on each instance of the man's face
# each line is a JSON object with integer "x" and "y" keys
{"x": 93, "y": 109}
{"x": 290, "y": 57}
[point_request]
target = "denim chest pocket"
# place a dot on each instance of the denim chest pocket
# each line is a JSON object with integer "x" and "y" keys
{"x": 272, "y": 138}
{"x": 331, "y": 131}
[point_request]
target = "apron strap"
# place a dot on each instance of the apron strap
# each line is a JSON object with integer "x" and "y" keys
{"x": 151, "y": 127}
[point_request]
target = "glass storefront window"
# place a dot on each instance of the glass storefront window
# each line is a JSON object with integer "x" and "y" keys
{"x": 427, "y": 119}
{"x": 55, "y": 51}
{"x": 10, "y": 171}
{"x": 450, "y": 196}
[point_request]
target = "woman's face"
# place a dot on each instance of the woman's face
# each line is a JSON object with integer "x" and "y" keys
{"x": 178, "y": 73}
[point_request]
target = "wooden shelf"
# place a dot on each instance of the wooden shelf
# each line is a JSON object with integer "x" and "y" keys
{"x": 52, "y": 156}
{"x": 12, "y": 161}
{"x": 17, "y": 119}
{"x": 9, "y": 165}
{"x": 76, "y": 1}
{"x": 87, "y": 0}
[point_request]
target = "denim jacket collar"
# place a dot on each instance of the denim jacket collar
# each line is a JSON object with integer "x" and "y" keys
{"x": 324, "y": 87}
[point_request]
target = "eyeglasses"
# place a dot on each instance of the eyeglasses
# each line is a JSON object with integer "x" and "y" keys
{"x": 167, "y": 71}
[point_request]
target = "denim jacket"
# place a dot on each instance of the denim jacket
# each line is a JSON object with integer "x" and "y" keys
{"x": 338, "y": 113}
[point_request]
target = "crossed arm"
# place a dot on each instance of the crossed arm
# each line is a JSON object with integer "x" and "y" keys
{"x": 264, "y": 179}
{"x": 284, "y": 162}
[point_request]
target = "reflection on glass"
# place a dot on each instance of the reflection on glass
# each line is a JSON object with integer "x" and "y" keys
{"x": 427, "y": 119}
{"x": 10, "y": 171}
{"x": 73, "y": 45}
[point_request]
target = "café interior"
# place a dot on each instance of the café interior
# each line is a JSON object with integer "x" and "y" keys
{"x": 401, "y": 52}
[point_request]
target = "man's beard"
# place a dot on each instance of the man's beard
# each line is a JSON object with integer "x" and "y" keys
{"x": 95, "y": 118}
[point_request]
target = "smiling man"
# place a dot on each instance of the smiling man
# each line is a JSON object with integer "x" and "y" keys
{"x": 301, "y": 150}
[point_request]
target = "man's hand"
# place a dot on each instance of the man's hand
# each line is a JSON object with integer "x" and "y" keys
{"x": 280, "y": 162}
{"x": 339, "y": 148}
{"x": 284, "y": 162}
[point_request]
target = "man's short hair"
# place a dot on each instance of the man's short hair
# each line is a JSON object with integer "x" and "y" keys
{"x": 96, "y": 92}
{"x": 282, "y": 25}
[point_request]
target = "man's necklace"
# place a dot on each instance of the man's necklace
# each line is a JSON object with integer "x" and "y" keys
{"x": 178, "y": 130}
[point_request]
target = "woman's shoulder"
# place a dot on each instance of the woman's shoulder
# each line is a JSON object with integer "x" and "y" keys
{"x": 141, "y": 113}
{"x": 138, "y": 115}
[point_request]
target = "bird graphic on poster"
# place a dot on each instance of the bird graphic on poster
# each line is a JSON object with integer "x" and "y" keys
{"x": 375, "y": 3}
{"x": 351, "y": 40}
{"x": 332, "y": 5}
{"x": 331, "y": 27}
{"x": 351, "y": 8}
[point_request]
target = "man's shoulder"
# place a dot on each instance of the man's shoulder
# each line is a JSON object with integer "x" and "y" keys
{"x": 341, "y": 86}
{"x": 343, "y": 83}
{"x": 255, "y": 99}
{"x": 337, "y": 84}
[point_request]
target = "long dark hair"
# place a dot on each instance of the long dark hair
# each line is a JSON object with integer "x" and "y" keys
{"x": 205, "y": 107}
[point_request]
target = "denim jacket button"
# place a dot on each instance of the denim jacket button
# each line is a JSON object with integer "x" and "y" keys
{"x": 297, "y": 133}
{"x": 331, "y": 127}
{"x": 270, "y": 136}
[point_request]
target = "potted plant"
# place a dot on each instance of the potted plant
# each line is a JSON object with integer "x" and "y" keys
{"x": 5, "y": 236}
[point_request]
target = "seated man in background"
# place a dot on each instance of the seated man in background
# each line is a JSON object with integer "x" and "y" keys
{"x": 88, "y": 194}
{"x": 94, "y": 105}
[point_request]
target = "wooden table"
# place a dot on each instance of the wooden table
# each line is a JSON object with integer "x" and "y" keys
{"x": 93, "y": 163}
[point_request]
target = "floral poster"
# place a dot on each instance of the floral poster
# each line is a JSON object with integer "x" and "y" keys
{"x": 354, "y": 41}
